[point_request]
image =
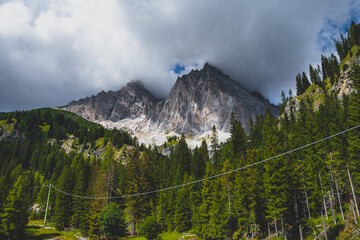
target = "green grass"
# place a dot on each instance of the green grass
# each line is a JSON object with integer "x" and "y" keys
{"x": 99, "y": 142}
{"x": 6, "y": 126}
{"x": 137, "y": 238}
{"x": 353, "y": 50}
{"x": 327, "y": 84}
{"x": 171, "y": 235}
{"x": 36, "y": 231}
{"x": 164, "y": 236}
{"x": 45, "y": 128}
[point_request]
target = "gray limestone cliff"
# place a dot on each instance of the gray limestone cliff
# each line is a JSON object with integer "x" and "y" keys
{"x": 205, "y": 98}
{"x": 131, "y": 101}
{"x": 196, "y": 102}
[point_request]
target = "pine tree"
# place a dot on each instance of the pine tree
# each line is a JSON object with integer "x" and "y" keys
{"x": 112, "y": 221}
{"x": 218, "y": 227}
{"x": 63, "y": 204}
{"x": 150, "y": 229}
{"x": 5, "y": 187}
{"x": 182, "y": 156}
{"x": 314, "y": 74}
{"x": 204, "y": 154}
{"x": 227, "y": 182}
{"x": 215, "y": 147}
{"x": 97, "y": 189}
{"x": 16, "y": 210}
{"x": 204, "y": 209}
{"x": 138, "y": 178}
{"x": 277, "y": 189}
{"x": 299, "y": 85}
{"x": 305, "y": 82}
{"x": 79, "y": 218}
{"x": 245, "y": 194}
{"x": 161, "y": 209}
{"x": 183, "y": 208}
{"x": 324, "y": 66}
{"x": 238, "y": 137}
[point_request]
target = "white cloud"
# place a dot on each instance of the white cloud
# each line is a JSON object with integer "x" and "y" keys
{"x": 15, "y": 18}
{"x": 52, "y": 52}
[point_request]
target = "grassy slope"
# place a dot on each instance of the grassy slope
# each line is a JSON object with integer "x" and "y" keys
{"x": 348, "y": 58}
{"x": 35, "y": 231}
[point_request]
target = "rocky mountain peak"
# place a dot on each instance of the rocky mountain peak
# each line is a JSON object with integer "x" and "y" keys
{"x": 131, "y": 101}
{"x": 134, "y": 85}
{"x": 196, "y": 102}
{"x": 210, "y": 68}
{"x": 205, "y": 98}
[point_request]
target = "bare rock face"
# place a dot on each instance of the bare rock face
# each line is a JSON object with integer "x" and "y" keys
{"x": 197, "y": 101}
{"x": 344, "y": 85}
{"x": 14, "y": 135}
{"x": 205, "y": 98}
{"x": 131, "y": 101}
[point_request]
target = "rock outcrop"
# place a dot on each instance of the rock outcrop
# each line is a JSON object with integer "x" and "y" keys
{"x": 131, "y": 101}
{"x": 314, "y": 96}
{"x": 205, "y": 98}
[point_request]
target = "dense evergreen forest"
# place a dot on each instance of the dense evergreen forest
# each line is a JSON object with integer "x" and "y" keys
{"x": 283, "y": 197}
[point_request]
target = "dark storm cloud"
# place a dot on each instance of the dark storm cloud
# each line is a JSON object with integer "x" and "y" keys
{"x": 54, "y": 52}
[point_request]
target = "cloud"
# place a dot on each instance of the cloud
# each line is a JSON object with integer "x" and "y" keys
{"x": 52, "y": 52}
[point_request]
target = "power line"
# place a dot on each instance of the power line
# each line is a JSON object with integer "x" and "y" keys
{"x": 211, "y": 177}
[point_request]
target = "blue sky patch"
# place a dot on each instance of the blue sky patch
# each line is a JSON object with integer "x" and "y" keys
{"x": 332, "y": 30}
{"x": 178, "y": 68}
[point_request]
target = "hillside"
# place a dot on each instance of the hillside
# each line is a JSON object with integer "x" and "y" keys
{"x": 316, "y": 93}
{"x": 293, "y": 177}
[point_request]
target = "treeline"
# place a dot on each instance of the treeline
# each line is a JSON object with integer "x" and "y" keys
{"x": 330, "y": 67}
{"x": 60, "y": 124}
{"x": 34, "y": 129}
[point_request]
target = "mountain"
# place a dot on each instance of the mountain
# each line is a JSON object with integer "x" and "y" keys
{"x": 131, "y": 101}
{"x": 205, "y": 98}
{"x": 196, "y": 102}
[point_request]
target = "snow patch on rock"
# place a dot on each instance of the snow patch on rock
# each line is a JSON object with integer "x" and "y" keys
{"x": 127, "y": 124}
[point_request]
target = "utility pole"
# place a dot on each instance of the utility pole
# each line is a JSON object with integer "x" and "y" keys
{"x": 353, "y": 192}
{"x": 333, "y": 176}
{"x": 47, "y": 204}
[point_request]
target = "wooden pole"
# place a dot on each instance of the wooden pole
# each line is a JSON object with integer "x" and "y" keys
{"x": 283, "y": 228}
{"x": 323, "y": 223}
{"x": 339, "y": 199}
{"x": 353, "y": 192}
{"x": 332, "y": 209}
{"x": 353, "y": 211}
{"x": 229, "y": 202}
{"x": 325, "y": 208}
{"x": 306, "y": 197}
{"x": 47, "y": 204}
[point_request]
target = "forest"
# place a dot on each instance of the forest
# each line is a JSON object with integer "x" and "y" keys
{"x": 97, "y": 179}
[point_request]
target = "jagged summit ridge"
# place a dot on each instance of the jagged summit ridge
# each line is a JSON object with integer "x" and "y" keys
{"x": 131, "y": 101}
{"x": 205, "y": 98}
{"x": 196, "y": 102}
